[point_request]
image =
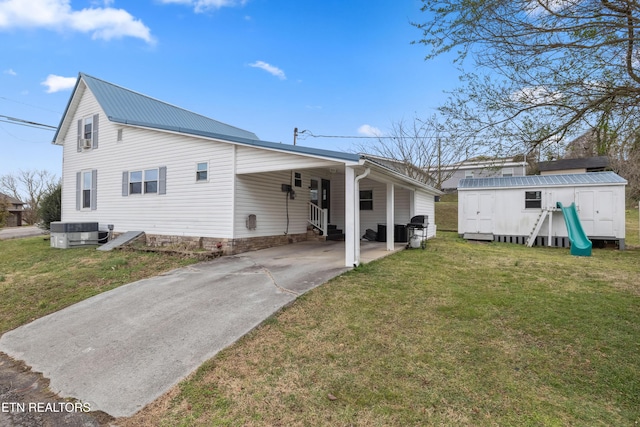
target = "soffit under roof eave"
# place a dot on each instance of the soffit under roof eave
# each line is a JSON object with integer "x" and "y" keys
{"x": 387, "y": 175}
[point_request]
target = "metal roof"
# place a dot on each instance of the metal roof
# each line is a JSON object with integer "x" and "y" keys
{"x": 125, "y": 106}
{"x": 595, "y": 178}
{"x": 128, "y": 107}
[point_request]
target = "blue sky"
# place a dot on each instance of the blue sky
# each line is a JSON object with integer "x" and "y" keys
{"x": 343, "y": 68}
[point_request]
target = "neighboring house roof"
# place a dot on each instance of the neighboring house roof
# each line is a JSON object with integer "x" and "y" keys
{"x": 486, "y": 163}
{"x": 127, "y": 107}
{"x": 600, "y": 162}
{"x": 11, "y": 200}
{"x": 594, "y": 178}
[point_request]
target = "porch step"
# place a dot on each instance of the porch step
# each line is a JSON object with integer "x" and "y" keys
{"x": 334, "y": 233}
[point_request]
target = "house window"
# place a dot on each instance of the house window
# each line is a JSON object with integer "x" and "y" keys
{"x": 151, "y": 181}
{"x": 202, "y": 171}
{"x": 507, "y": 172}
{"x": 532, "y": 199}
{"x": 297, "y": 179}
{"x": 86, "y": 190}
{"x": 88, "y": 133}
{"x": 366, "y": 200}
{"x": 88, "y": 128}
{"x": 135, "y": 182}
{"x": 143, "y": 181}
{"x": 148, "y": 181}
{"x": 468, "y": 174}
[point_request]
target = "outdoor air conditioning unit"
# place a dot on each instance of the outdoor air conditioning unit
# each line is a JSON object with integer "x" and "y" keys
{"x": 86, "y": 143}
{"x": 65, "y": 235}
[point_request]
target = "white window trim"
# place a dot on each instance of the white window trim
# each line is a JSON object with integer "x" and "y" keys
{"x": 365, "y": 200}
{"x": 143, "y": 181}
{"x": 83, "y": 189}
{"x": 197, "y": 171}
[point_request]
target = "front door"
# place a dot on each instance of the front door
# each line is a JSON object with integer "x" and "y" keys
{"x": 325, "y": 198}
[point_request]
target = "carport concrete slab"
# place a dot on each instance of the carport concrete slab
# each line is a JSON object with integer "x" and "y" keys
{"x": 124, "y": 348}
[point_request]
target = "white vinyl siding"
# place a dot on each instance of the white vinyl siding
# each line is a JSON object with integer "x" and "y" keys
{"x": 251, "y": 160}
{"x": 369, "y": 219}
{"x": 424, "y": 204}
{"x": 261, "y": 194}
{"x": 189, "y": 210}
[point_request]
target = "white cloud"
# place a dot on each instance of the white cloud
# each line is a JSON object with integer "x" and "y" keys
{"x": 368, "y": 130}
{"x": 10, "y": 72}
{"x": 200, "y": 6}
{"x": 269, "y": 69}
{"x": 101, "y": 22}
{"x": 536, "y": 96}
{"x": 58, "y": 83}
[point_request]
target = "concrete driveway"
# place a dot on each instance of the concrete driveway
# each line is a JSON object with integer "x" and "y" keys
{"x": 120, "y": 350}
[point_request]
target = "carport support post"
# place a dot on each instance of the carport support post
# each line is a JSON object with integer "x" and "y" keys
{"x": 349, "y": 217}
{"x": 390, "y": 216}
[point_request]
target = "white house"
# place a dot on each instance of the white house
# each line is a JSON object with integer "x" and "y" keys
{"x": 140, "y": 164}
{"x": 523, "y": 209}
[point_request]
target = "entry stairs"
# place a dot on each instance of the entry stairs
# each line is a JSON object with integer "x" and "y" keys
{"x": 538, "y": 225}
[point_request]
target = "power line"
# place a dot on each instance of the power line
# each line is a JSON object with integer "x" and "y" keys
{"x": 28, "y": 123}
{"x": 305, "y": 133}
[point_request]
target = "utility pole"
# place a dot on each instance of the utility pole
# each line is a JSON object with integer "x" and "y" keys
{"x": 295, "y": 135}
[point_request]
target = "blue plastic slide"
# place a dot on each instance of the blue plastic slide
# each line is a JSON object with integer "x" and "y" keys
{"x": 580, "y": 243}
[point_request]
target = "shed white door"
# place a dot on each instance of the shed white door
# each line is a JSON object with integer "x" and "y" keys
{"x": 596, "y": 212}
{"x": 479, "y": 213}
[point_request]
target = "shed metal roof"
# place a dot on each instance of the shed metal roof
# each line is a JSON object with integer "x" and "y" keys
{"x": 125, "y": 106}
{"x": 594, "y": 178}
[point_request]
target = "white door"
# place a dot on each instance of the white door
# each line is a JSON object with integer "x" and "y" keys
{"x": 479, "y": 213}
{"x": 586, "y": 210}
{"x": 604, "y": 214}
{"x": 596, "y": 211}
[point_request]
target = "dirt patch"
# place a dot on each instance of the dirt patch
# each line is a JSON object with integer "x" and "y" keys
{"x": 26, "y": 401}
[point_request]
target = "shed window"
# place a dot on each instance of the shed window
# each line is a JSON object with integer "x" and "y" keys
{"x": 366, "y": 200}
{"x": 532, "y": 199}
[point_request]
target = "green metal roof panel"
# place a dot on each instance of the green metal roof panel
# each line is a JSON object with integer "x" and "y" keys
{"x": 543, "y": 180}
{"x": 125, "y": 106}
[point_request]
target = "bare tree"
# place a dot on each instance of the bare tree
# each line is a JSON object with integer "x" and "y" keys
{"x": 541, "y": 70}
{"x": 421, "y": 148}
{"x": 30, "y": 187}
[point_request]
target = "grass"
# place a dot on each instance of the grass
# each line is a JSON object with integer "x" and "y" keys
{"x": 458, "y": 334}
{"x": 36, "y": 279}
{"x": 447, "y": 212}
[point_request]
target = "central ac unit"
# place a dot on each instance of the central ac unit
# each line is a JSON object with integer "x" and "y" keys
{"x": 86, "y": 143}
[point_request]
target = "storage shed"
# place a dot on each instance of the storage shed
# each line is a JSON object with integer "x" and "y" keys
{"x": 524, "y": 209}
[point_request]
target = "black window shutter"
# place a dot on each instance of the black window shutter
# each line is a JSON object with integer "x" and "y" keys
{"x": 94, "y": 136}
{"x": 125, "y": 183}
{"x": 79, "y": 135}
{"x": 94, "y": 189}
{"x": 162, "y": 180}
{"x": 78, "y": 189}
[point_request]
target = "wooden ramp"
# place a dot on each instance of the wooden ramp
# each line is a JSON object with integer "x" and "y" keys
{"x": 122, "y": 239}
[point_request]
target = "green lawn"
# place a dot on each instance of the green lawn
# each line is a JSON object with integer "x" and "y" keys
{"x": 458, "y": 334}
{"x": 36, "y": 279}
